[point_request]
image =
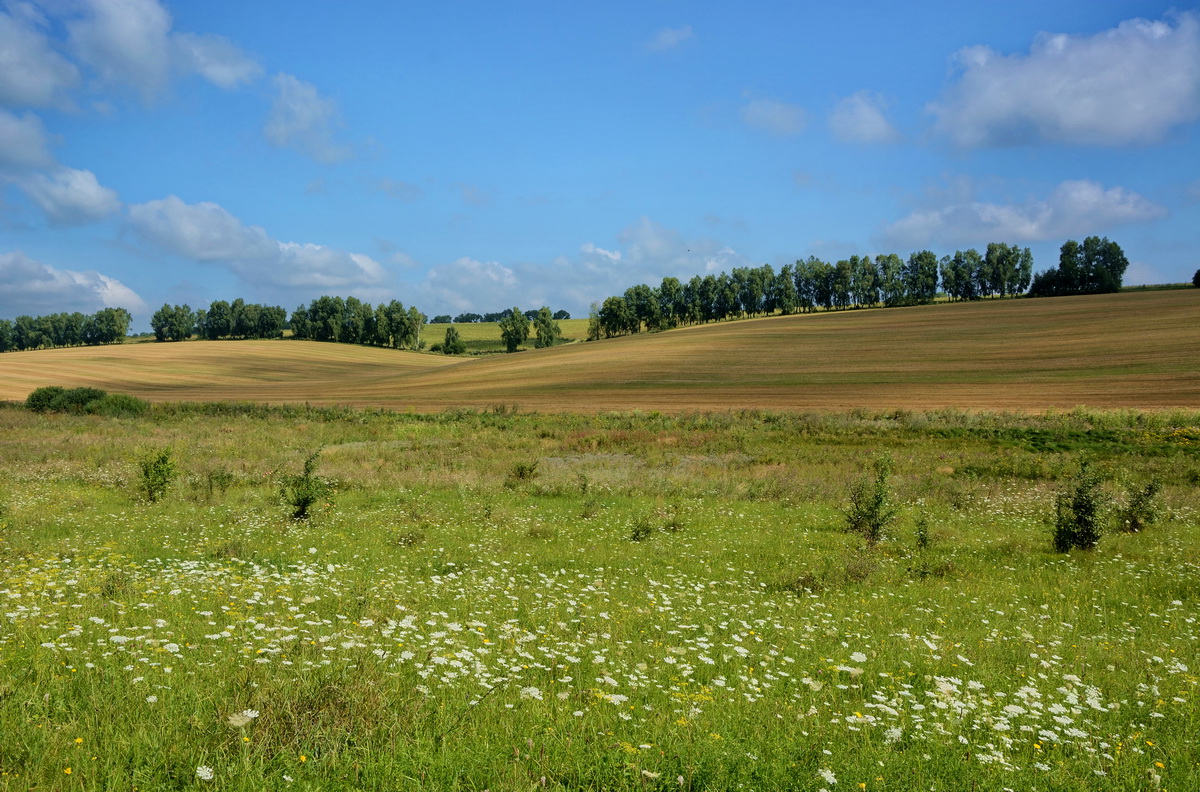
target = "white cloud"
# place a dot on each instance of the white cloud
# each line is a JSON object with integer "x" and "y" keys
{"x": 70, "y": 197}
{"x": 22, "y": 143}
{"x": 125, "y": 42}
{"x": 778, "y": 118}
{"x": 648, "y": 252}
{"x": 470, "y": 285}
{"x": 30, "y": 287}
{"x": 1130, "y": 84}
{"x": 860, "y": 118}
{"x": 670, "y": 38}
{"x": 207, "y": 232}
{"x": 130, "y": 42}
{"x": 1074, "y": 208}
{"x": 215, "y": 58}
{"x": 202, "y": 232}
{"x": 31, "y": 72}
{"x": 304, "y": 120}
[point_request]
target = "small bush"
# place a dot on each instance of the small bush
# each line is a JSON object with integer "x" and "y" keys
{"x": 304, "y": 491}
{"x": 42, "y": 399}
{"x": 1141, "y": 507}
{"x": 158, "y": 472}
{"x": 870, "y": 509}
{"x": 1078, "y": 511}
{"x": 218, "y": 480}
{"x": 522, "y": 472}
{"x": 642, "y": 530}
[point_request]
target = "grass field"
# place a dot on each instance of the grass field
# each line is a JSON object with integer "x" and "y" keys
{"x": 1128, "y": 350}
{"x": 484, "y": 337}
{"x": 509, "y": 601}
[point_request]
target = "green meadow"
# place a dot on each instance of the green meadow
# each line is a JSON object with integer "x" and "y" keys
{"x": 493, "y": 599}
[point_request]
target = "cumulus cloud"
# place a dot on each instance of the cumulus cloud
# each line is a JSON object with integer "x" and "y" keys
{"x": 22, "y": 143}
{"x": 1127, "y": 85}
{"x": 202, "y": 231}
{"x": 303, "y": 120}
{"x": 778, "y": 118}
{"x": 125, "y": 43}
{"x": 646, "y": 252}
{"x": 207, "y": 232}
{"x": 130, "y": 42}
{"x": 32, "y": 73}
{"x": 70, "y": 197}
{"x": 860, "y": 118}
{"x": 465, "y": 284}
{"x": 670, "y": 38}
{"x": 1074, "y": 208}
{"x": 31, "y": 287}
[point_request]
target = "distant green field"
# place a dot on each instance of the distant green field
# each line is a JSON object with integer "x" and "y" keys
{"x": 484, "y": 337}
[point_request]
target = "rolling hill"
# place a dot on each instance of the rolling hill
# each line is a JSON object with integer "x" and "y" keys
{"x": 1133, "y": 349}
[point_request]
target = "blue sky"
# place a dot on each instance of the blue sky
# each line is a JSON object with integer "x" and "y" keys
{"x": 474, "y": 156}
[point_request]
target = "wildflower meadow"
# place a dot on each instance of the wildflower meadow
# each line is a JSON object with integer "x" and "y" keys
{"x": 514, "y": 601}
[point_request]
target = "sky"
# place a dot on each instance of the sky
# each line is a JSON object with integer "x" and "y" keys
{"x": 472, "y": 156}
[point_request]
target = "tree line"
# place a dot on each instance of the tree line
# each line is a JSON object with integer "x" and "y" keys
{"x": 106, "y": 326}
{"x": 238, "y": 319}
{"x": 351, "y": 321}
{"x": 495, "y": 316}
{"x": 887, "y": 280}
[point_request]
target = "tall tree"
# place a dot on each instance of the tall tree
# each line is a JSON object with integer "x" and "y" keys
{"x": 514, "y": 330}
{"x": 548, "y": 331}
{"x": 921, "y": 277}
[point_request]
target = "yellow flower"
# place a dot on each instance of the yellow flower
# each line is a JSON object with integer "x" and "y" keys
{"x": 79, "y": 741}
{"x": 67, "y": 771}
{"x": 303, "y": 758}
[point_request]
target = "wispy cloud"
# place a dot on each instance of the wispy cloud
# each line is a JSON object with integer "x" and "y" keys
{"x": 776, "y": 117}
{"x": 670, "y": 38}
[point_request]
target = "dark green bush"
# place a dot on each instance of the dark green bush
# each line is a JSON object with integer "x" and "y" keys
{"x": 77, "y": 400}
{"x": 870, "y": 508}
{"x": 1078, "y": 512}
{"x": 158, "y": 472}
{"x": 42, "y": 399}
{"x": 118, "y": 405}
{"x": 306, "y": 490}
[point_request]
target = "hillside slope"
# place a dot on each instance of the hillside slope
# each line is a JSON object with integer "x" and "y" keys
{"x": 1135, "y": 349}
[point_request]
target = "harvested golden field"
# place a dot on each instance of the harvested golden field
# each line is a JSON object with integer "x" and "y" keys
{"x": 1135, "y": 349}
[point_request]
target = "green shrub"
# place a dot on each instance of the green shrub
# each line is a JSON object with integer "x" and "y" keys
{"x": 77, "y": 400}
{"x": 158, "y": 472}
{"x": 42, "y": 399}
{"x": 118, "y": 405}
{"x": 1078, "y": 512}
{"x": 870, "y": 509}
{"x": 1141, "y": 507}
{"x": 304, "y": 491}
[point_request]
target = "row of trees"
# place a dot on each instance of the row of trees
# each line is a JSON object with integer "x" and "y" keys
{"x": 857, "y": 282}
{"x": 351, "y": 321}
{"x": 496, "y": 316}
{"x": 106, "y": 326}
{"x": 221, "y": 319}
